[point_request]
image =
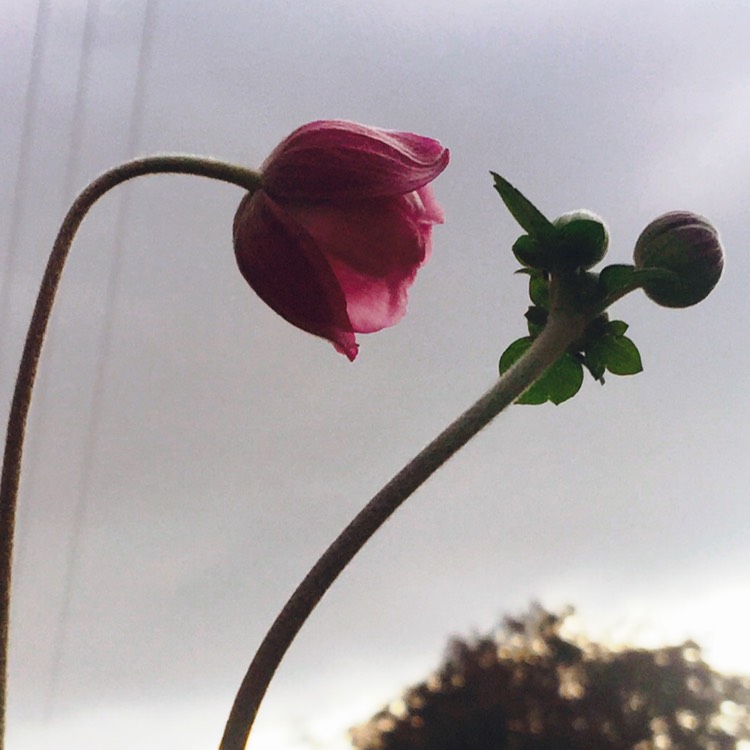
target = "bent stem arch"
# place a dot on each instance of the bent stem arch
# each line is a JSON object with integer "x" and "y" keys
{"x": 565, "y": 324}
{"x": 177, "y": 164}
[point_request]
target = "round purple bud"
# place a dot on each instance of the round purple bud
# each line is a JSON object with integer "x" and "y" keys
{"x": 686, "y": 244}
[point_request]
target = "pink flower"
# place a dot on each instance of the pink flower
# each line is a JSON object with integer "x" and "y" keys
{"x": 333, "y": 239}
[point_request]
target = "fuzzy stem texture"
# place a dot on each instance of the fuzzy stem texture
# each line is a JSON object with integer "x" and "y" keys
{"x": 19, "y": 409}
{"x": 563, "y": 328}
{"x": 565, "y": 325}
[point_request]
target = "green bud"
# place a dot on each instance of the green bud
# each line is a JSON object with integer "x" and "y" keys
{"x": 582, "y": 238}
{"x": 686, "y": 244}
{"x": 529, "y": 252}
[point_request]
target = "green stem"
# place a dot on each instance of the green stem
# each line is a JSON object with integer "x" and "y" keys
{"x": 35, "y": 338}
{"x": 563, "y": 327}
{"x": 614, "y": 296}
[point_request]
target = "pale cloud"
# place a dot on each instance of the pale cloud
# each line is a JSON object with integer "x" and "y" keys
{"x": 233, "y": 448}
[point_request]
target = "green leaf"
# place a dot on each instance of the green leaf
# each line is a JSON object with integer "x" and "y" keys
{"x": 566, "y": 378}
{"x": 615, "y": 277}
{"x": 539, "y": 291}
{"x": 536, "y": 319}
{"x": 560, "y": 382}
{"x": 616, "y": 327}
{"x": 621, "y": 355}
{"x": 537, "y": 315}
{"x": 514, "y": 352}
{"x": 534, "y": 396}
{"x": 528, "y": 251}
{"x": 523, "y": 210}
{"x": 594, "y": 363}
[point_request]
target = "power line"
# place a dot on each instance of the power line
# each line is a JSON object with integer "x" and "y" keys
{"x": 20, "y": 188}
{"x": 104, "y": 348}
{"x": 35, "y": 435}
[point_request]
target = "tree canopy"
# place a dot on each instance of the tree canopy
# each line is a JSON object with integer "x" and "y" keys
{"x": 530, "y": 687}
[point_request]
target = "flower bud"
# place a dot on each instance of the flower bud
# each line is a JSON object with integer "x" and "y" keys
{"x": 583, "y": 238}
{"x": 686, "y": 244}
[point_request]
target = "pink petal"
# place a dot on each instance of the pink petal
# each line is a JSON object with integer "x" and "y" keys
{"x": 284, "y": 266}
{"x": 374, "y": 248}
{"x": 433, "y": 213}
{"x": 373, "y": 303}
{"x": 331, "y": 160}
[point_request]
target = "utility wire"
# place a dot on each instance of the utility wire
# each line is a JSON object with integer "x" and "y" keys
{"x": 35, "y": 434}
{"x": 20, "y": 192}
{"x": 105, "y": 345}
{"x": 20, "y": 187}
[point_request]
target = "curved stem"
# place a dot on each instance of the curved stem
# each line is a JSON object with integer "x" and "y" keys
{"x": 614, "y": 296}
{"x": 35, "y": 338}
{"x": 563, "y": 327}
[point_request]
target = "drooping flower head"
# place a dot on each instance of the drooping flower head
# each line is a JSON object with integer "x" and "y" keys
{"x": 343, "y": 221}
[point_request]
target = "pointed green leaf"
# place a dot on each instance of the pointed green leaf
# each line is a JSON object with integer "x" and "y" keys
{"x": 536, "y": 319}
{"x": 523, "y": 210}
{"x": 536, "y": 315}
{"x": 616, "y": 327}
{"x": 534, "y": 396}
{"x": 514, "y": 352}
{"x": 565, "y": 378}
{"x": 560, "y": 382}
{"x": 621, "y": 355}
{"x": 594, "y": 362}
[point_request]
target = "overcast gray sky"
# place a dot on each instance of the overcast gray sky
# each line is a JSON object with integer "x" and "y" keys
{"x": 229, "y": 448}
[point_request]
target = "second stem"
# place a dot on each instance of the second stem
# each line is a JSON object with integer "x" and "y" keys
{"x": 563, "y": 327}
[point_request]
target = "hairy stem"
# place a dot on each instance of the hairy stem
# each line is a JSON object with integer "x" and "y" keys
{"x": 563, "y": 327}
{"x": 35, "y": 338}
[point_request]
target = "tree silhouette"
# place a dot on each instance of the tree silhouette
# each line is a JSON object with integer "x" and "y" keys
{"x": 529, "y": 687}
